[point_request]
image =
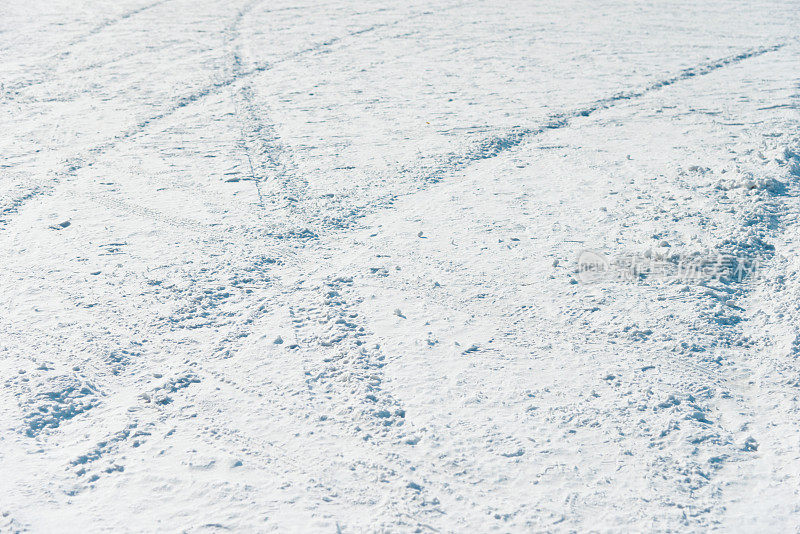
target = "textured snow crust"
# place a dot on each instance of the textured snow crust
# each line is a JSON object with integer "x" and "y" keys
{"x": 297, "y": 266}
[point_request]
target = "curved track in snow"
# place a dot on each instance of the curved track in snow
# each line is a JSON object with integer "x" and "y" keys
{"x": 279, "y": 266}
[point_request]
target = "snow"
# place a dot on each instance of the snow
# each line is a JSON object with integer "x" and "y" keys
{"x": 282, "y": 266}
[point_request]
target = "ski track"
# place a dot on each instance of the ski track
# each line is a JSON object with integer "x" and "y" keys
{"x": 258, "y": 138}
{"x": 495, "y": 145}
{"x": 343, "y": 363}
{"x": 488, "y": 148}
{"x": 60, "y": 56}
{"x": 337, "y": 312}
{"x": 238, "y": 75}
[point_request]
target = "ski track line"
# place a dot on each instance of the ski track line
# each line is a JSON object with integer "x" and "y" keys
{"x": 107, "y": 24}
{"x": 256, "y": 124}
{"x": 487, "y": 148}
{"x": 599, "y": 105}
{"x": 495, "y": 145}
{"x": 100, "y": 64}
{"x": 75, "y": 42}
{"x": 606, "y": 100}
{"x": 206, "y": 233}
{"x": 720, "y": 335}
{"x": 79, "y": 162}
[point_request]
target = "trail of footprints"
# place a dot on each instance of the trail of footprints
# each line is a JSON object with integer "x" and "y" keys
{"x": 344, "y": 366}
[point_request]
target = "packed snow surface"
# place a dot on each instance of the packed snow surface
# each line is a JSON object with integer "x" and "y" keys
{"x": 341, "y": 266}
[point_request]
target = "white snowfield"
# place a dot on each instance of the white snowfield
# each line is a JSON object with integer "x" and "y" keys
{"x": 302, "y": 266}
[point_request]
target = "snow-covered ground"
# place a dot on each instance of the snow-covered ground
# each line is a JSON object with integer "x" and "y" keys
{"x": 321, "y": 266}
